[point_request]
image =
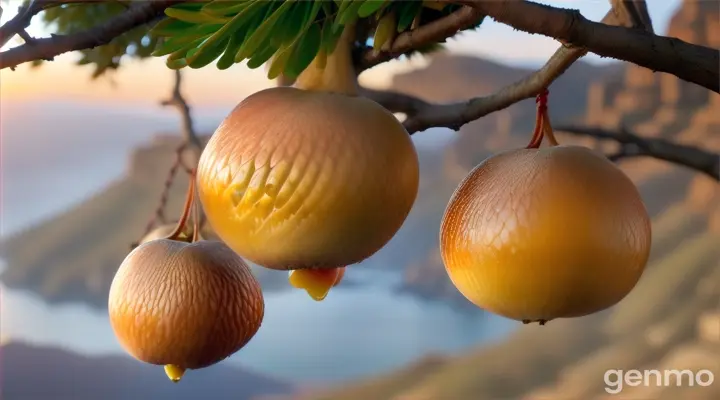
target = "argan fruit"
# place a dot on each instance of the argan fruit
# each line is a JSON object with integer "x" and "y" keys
{"x": 539, "y": 234}
{"x": 184, "y": 305}
{"x": 311, "y": 176}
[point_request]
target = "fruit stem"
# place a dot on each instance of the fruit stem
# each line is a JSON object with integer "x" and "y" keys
{"x": 548, "y": 129}
{"x": 196, "y": 219}
{"x": 333, "y": 72}
{"x": 540, "y": 119}
{"x": 189, "y": 197}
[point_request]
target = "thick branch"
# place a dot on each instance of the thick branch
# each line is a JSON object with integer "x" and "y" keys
{"x": 632, "y": 145}
{"x": 430, "y": 33}
{"x": 689, "y": 62}
{"x": 47, "y": 48}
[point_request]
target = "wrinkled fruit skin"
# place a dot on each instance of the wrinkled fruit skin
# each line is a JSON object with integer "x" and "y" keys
{"x": 189, "y": 305}
{"x": 297, "y": 179}
{"x": 539, "y": 234}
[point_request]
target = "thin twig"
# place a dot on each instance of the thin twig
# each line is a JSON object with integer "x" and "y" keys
{"x": 422, "y": 115}
{"x": 178, "y": 101}
{"x": 46, "y": 48}
{"x": 432, "y": 32}
{"x": 633, "y": 145}
{"x": 159, "y": 214}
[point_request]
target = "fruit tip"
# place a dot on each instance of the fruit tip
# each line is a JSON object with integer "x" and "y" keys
{"x": 317, "y": 283}
{"x": 174, "y": 372}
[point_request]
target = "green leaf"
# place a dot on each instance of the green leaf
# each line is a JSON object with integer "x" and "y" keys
{"x": 327, "y": 8}
{"x": 330, "y": 37}
{"x": 278, "y": 64}
{"x": 263, "y": 31}
{"x": 295, "y": 22}
{"x": 407, "y": 12}
{"x": 223, "y": 34}
{"x": 176, "y": 64}
{"x": 261, "y": 57}
{"x": 228, "y": 57}
{"x": 248, "y": 30}
{"x": 189, "y": 6}
{"x": 207, "y": 54}
{"x": 305, "y": 51}
{"x": 342, "y": 7}
{"x": 172, "y": 45}
{"x": 177, "y": 42}
{"x": 222, "y": 8}
{"x": 194, "y": 17}
{"x": 170, "y": 27}
{"x": 349, "y": 14}
{"x": 308, "y": 22}
{"x": 370, "y": 7}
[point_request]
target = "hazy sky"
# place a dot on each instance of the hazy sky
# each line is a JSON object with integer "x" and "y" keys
{"x": 144, "y": 82}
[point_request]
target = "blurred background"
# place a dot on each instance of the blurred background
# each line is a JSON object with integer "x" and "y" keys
{"x": 83, "y": 165}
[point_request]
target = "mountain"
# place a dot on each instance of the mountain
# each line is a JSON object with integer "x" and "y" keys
{"x": 44, "y": 373}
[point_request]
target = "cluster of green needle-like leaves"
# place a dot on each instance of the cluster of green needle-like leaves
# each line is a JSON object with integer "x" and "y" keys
{"x": 288, "y": 34}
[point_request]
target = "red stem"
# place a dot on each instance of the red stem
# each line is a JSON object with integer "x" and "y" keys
{"x": 540, "y": 116}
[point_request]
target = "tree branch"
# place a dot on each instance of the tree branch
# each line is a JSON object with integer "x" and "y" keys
{"x": 432, "y": 32}
{"x": 178, "y": 101}
{"x": 689, "y": 62}
{"x": 47, "y": 48}
{"x": 20, "y": 21}
{"x": 423, "y": 115}
{"x": 632, "y": 145}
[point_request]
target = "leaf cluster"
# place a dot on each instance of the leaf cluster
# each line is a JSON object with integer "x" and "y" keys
{"x": 284, "y": 34}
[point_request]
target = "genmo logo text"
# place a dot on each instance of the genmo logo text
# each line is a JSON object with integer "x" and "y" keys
{"x": 617, "y": 379}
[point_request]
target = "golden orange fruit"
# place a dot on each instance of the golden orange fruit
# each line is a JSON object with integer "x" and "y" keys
{"x": 297, "y": 179}
{"x": 539, "y": 234}
{"x": 184, "y": 305}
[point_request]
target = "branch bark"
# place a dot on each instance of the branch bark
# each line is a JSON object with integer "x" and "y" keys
{"x": 178, "y": 101}
{"x": 430, "y": 33}
{"x": 422, "y": 115}
{"x": 47, "y": 48}
{"x": 632, "y": 145}
{"x": 689, "y": 62}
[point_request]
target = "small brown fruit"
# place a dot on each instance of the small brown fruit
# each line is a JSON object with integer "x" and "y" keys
{"x": 539, "y": 234}
{"x": 184, "y": 305}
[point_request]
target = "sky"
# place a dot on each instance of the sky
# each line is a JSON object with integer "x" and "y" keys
{"x": 140, "y": 82}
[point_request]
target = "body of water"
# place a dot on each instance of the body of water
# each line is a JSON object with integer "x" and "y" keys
{"x": 357, "y": 331}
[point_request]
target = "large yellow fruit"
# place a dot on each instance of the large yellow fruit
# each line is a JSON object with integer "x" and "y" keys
{"x": 539, "y": 234}
{"x": 184, "y": 305}
{"x": 311, "y": 176}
